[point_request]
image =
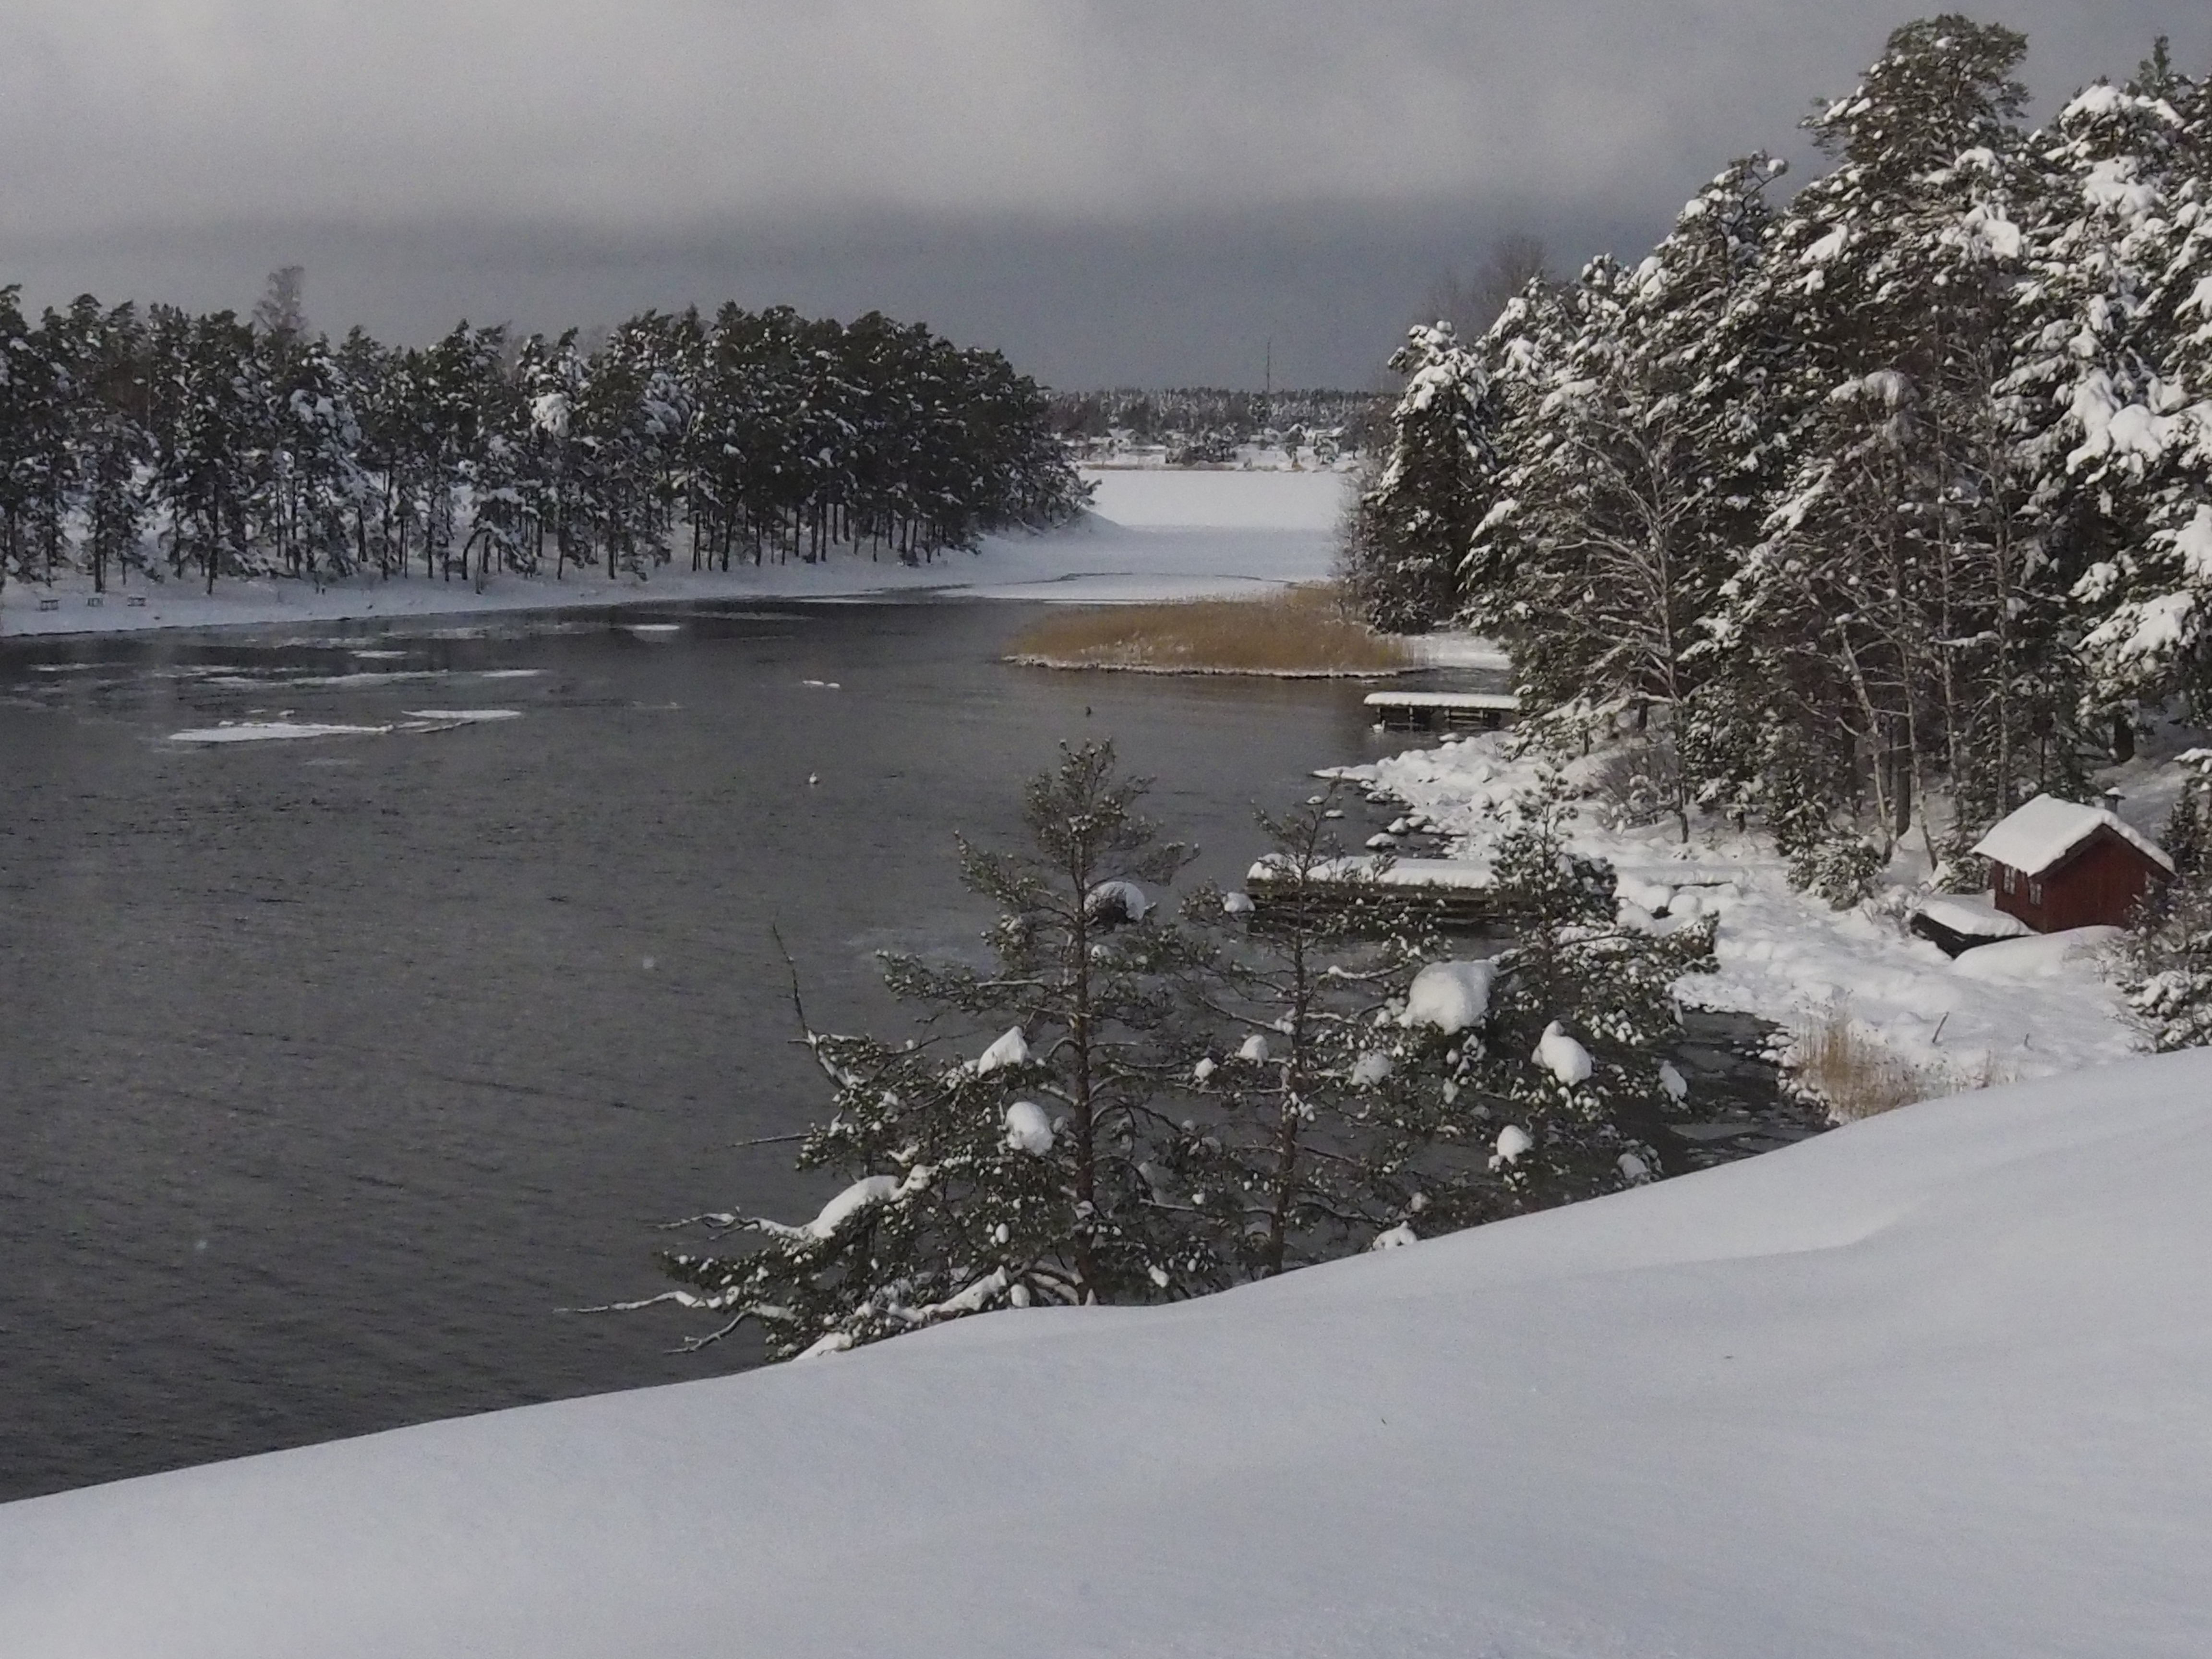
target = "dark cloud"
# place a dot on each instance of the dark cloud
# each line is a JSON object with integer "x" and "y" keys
{"x": 1144, "y": 191}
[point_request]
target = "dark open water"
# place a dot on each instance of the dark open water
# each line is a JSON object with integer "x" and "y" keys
{"x": 329, "y": 1070}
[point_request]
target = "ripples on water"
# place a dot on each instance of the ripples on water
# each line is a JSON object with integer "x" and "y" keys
{"x": 333, "y": 1066}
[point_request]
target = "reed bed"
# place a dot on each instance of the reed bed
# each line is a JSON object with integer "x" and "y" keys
{"x": 1292, "y": 632}
{"x": 1853, "y": 1072}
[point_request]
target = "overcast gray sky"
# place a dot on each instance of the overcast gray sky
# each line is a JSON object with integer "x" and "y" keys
{"x": 1114, "y": 192}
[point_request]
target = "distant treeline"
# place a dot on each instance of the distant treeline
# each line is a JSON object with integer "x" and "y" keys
{"x": 163, "y": 441}
{"x": 1202, "y": 424}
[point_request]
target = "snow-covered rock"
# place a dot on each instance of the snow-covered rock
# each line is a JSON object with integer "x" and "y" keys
{"x": 1117, "y": 902}
{"x": 2040, "y": 955}
{"x": 1562, "y": 1056}
{"x": 1027, "y": 1129}
{"x": 1010, "y": 1049}
{"x": 1450, "y": 996}
{"x": 1370, "y": 1069}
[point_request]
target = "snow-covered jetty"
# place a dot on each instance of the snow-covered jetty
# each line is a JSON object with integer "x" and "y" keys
{"x": 1430, "y": 711}
{"x": 1451, "y": 893}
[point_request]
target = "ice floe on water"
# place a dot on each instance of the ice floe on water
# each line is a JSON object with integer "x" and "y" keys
{"x": 289, "y": 731}
{"x": 273, "y": 731}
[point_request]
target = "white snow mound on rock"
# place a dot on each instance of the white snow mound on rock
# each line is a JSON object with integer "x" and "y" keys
{"x": 1451, "y": 996}
{"x": 1562, "y": 1056}
{"x": 1370, "y": 1069}
{"x": 1118, "y": 900}
{"x": 1010, "y": 1049}
{"x": 1027, "y": 1129}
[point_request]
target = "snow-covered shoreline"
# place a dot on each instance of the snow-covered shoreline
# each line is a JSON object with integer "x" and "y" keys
{"x": 1152, "y": 535}
{"x": 1785, "y": 954}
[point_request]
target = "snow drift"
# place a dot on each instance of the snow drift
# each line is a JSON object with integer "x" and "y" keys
{"x": 1935, "y": 1384}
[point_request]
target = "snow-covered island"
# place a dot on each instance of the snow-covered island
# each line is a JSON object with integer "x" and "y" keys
{"x": 1150, "y": 535}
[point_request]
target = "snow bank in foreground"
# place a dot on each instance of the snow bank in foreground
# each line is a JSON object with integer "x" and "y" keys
{"x": 1931, "y": 1385}
{"x": 1155, "y": 536}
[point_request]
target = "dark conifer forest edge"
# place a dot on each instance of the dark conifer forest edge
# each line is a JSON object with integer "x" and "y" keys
{"x": 1874, "y": 509}
{"x": 163, "y": 443}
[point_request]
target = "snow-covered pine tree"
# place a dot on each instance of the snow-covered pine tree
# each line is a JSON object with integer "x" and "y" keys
{"x": 2136, "y": 492}
{"x": 317, "y": 488}
{"x": 49, "y": 470}
{"x": 115, "y": 501}
{"x": 1521, "y": 354}
{"x": 1716, "y": 348}
{"x": 1016, "y": 1171}
{"x": 18, "y": 393}
{"x": 209, "y": 417}
{"x": 1637, "y": 458}
{"x": 2167, "y": 982}
{"x": 1318, "y": 1133}
{"x": 1570, "y": 1068}
{"x": 1889, "y": 546}
{"x": 1411, "y": 525}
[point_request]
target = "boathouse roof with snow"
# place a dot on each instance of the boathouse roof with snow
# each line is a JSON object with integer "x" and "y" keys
{"x": 2056, "y": 864}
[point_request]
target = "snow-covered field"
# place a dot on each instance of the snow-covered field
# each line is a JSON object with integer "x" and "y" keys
{"x": 2026, "y": 1008}
{"x": 1935, "y": 1384}
{"x": 1153, "y": 535}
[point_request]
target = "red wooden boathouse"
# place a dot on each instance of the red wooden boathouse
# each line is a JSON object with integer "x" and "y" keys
{"x": 2056, "y": 864}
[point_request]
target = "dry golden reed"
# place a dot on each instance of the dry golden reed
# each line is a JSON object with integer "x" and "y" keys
{"x": 1290, "y": 631}
{"x": 1854, "y": 1075}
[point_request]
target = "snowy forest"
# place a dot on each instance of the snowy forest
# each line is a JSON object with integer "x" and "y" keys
{"x": 1878, "y": 507}
{"x": 1205, "y": 426}
{"x": 184, "y": 445}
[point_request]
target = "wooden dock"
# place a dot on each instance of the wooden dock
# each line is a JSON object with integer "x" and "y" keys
{"x": 1443, "y": 893}
{"x": 1452, "y": 711}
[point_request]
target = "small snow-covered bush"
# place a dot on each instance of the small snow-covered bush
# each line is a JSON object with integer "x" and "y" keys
{"x": 1840, "y": 870}
{"x": 2184, "y": 834}
{"x": 1641, "y": 783}
{"x": 2168, "y": 979}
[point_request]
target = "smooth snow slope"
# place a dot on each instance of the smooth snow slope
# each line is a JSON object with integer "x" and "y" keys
{"x": 1939, "y": 1383}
